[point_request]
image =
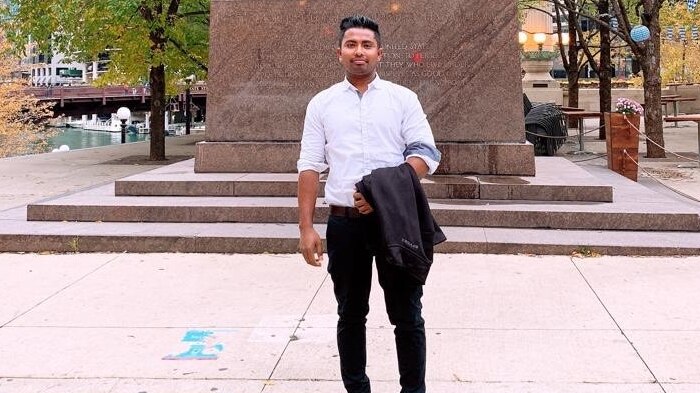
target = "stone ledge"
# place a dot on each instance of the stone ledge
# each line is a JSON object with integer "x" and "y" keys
{"x": 283, "y": 238}
{"x": 283, "y": 210}
{"x": 488, "y": 158}
{"x": 556, "y": 179}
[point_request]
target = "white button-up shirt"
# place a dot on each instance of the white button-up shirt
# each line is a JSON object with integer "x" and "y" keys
{"x": 351, "y": 134}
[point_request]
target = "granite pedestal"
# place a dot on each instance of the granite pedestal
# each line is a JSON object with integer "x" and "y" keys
{"x": 460, "y": 57}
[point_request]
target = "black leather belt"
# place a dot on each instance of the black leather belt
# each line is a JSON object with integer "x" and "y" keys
{"x": 345, "y": 211}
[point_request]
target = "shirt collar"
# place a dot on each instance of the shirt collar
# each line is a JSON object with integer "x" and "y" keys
{"x": 377, "y": 83}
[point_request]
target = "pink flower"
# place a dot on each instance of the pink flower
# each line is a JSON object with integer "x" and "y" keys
{"x": 625, "y": 105}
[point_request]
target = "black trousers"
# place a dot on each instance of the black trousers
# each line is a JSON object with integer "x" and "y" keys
{"x": 352, "y": 243}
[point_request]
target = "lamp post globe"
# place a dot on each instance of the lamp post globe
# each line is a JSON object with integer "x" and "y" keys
{"x": 123, "y": 114}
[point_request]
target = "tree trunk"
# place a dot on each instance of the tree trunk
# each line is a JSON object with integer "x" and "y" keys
{"x": 651, "y": 69}
{"x": 157, "y": 81}
{"x": 572, "y": 72}
{"x": 604, "y": 71}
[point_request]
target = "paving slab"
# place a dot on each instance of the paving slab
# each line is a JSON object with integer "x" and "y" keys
{"x": 672, "y": 355}
{"x": 681, "y": 388}
{"x": 647, "y": 293}
{"x": 545, "y": 292}
{"x": 187, "y": 386}
{"x": 115, "y": 385}
{"x": 59, "y": 385}
{"x": 86, "y": 352}
{"x": 30, "y": 280}
{"x": 177, "y": 290}
{"x": 467, "y": 387}
{"x": 591, "y": 356}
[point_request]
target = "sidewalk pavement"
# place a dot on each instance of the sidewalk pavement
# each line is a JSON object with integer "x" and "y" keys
{"x": 265, "y": 323}
{"x": 27, "y": 179}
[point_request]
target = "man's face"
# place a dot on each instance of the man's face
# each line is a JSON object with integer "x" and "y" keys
{"x": 359, "y": 52}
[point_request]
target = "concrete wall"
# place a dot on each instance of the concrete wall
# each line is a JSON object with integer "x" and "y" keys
{"x": 588, "y": 98}
{"x": 687, "y": 91}
{"x": 538, "y": 94}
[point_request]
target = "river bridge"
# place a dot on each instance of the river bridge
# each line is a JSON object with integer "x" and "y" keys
{"x": 80, "y": 100}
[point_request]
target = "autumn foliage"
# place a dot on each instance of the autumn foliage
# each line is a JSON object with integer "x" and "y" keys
{"x": 22, "y": 117}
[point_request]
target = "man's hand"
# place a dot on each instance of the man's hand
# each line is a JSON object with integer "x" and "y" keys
{"x": 310, "y": 244}
{"x": 311, "y": 247}
{"x": 361, "y": 203}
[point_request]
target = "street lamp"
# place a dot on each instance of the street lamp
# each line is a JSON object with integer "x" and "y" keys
{"x": 123, "y": 114}
{"x": 522, "y": 39}
{"x": 188, "y": 103}
{"x": 539, "y": 39}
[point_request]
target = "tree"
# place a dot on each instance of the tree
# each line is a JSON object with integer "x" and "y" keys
{"x": 159, "y": 41}
{"x": 629, "y": 13}
{"x": 574, "y": 59}
{"x": 22, "y": 117}
{"x": 648, "y": 54}
{"x": 595, "y": 46}
{"x": 680, "y": 55}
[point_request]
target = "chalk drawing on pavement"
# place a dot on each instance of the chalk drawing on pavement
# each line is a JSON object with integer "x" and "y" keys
{"x": 200, "y": 345}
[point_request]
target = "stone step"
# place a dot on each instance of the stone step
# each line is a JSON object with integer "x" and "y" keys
{"x": 100, "y": 204}
{"x": 26, "y": 236}
{"x": 553, "y": 182}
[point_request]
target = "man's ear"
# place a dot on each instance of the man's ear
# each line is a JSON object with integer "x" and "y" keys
{"x": 380, "y": 53}
{"x": 338, "y": 53}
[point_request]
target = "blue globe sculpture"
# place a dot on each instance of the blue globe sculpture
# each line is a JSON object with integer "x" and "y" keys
{"x": 640, "y": 33}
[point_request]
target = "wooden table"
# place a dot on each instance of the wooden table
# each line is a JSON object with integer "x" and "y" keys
{"x": 675, "y": 101}
{"x": 696, "y": 119}
{"x": 579, "y": 115}
{"x": 570, "y": 108}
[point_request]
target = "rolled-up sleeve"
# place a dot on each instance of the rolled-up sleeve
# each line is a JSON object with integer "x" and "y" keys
{"x": 313, "y": 141}
{"x": 418, "y": 135}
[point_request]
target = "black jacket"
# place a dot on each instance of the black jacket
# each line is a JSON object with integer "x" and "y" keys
{"x": 408, "y": 226}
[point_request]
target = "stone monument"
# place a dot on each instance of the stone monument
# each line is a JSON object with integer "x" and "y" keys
{"x": 269, "y": 57}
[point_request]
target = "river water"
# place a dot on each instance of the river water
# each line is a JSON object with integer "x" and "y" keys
{"x": 77, "y": 138}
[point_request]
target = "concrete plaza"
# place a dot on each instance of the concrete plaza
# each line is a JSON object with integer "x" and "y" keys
{"x": 171, "y": 323}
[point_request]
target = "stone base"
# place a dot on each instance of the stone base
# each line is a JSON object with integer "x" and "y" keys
{"x": 512, "y": 159}
{"x": 246, "y": 157}
{"x": 557, "y": 179}
{"x": 517, "y": 159}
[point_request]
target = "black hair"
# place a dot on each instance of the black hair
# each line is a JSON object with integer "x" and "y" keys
{"x": 359, "y": 21}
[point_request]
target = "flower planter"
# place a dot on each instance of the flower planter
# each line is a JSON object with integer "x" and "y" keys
{"x": 621, "y": 137}
{"x": 537, "y": 69}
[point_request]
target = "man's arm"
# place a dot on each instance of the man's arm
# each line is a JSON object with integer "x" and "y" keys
{"x": 420, "y": 151}
{"x": 418, "y": 165}
{"x": 309, "y": 241}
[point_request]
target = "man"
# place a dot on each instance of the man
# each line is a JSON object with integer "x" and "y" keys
{"x": 355, "y": 126}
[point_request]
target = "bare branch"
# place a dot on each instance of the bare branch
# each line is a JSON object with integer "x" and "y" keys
{"x": 562, "y": 53}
